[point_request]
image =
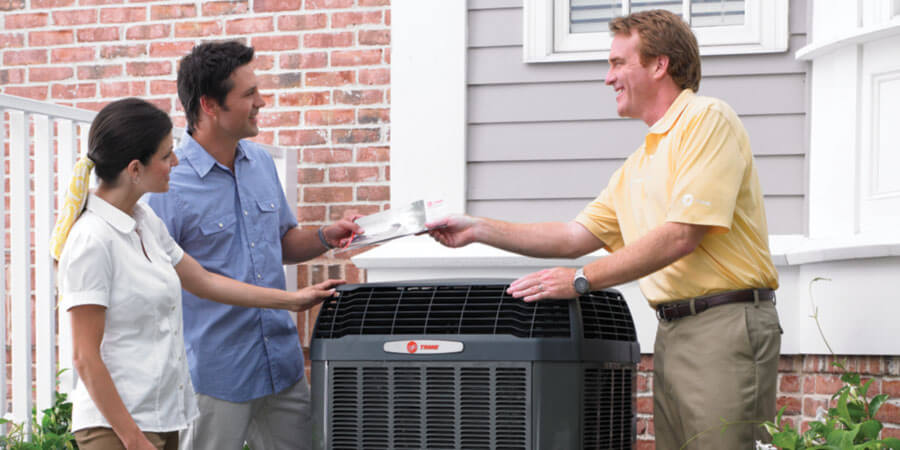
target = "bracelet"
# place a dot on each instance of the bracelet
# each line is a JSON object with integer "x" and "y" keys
{"x": 323, "y": 240}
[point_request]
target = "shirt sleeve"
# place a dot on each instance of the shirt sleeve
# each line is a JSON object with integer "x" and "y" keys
{"x": 599, "y": 217}
{"x": 85, "y": 271}
{"x": 708, "y": 170}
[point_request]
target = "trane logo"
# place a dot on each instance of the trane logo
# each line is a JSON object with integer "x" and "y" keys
{"x": 423, "y": 347}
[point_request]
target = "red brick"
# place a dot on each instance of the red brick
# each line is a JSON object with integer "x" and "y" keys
{"x": 98, "y": 34}
{"x": 24, "y": 57}
{"x": 790, "y": 363}
{"x": 329, "y": 78}
{"x": 169, "y": 12}
{"x": 375, "y": 194}
{"x": 387, "y": 17}
{"x": 327, "y": 155}
{"x": 374, "y": 37}
{"x": 379, "y": 115}
{"x": 358, "y": 97}
{"x": 892, "y": 388}
{"x": 872, "y": 365}
{"x": 353, "y": 274}
{"x": 50, "y": 38}
{"x": 312, "y": 213}
{"x": 170, "y": 49}
{"x": 250, "y": 25}
{"x": 309, "y": 176}
{"x": 374, "y": 2}
{"x": 265, "y": 137}
{"x": 338, "y": 212}
{"x": 34, "y": 92}
{"x": 353, "y": 174}
{"x": 72, "y": 91}
{"x": 11, "y": 5}
{"x": 276, "y": 5}
{"x": 275, "y": 43}
{"x": 387, "y": 56}
{"x": 890, "y": 432}
{"x": 12, "y": 40}
{"x": 149, "y": 68}
{"x": 25, "y": 20}
{"x": 378, "y": 154}
{"x": 75, "y": 17}
{"x": 163, "y": 87}
{"x": 304, "y": 60}
{"x": 65, "y": 55}
{"x": 302, "y": 22}
{"x": 123, "y": 89}
{"x": 374, "y": 76}
{"x": 224, "y": 8}
{"x": 809, "y": 384}
{"x": 329, "y": 194}
{"x": 329, "y": 117}
{"x": 355, "y": 136}
{"x": 99, "y": 72}
{"x": 151, "y": 31}
{"x": 280, "y": 81}
{"x": 197, "y": 29}
{"x": 123, "y": 51}
{"x": 355, "y": 57}
{"x": 328, "y": 40}
{"x": 646, "y": 363}
{"x": 645, "y": 405}
{"x": 302, "y": 137}
{"x": 93, "y": 106}
{"x": 828, "y": 384}
{"x": 44, "y": 74}
{"x": 12, "y": 76}
{"x": 41, "y": 4}
{"x": 889, "y": 413}
{"x": 349, "y": 19}
{"x": 304, "y": 98}
{"x": 328, "y": 4}
{"x": 789, "y": 383}
{"x": 811, "y": 404}
{"x": 123, "y": 15}
{"x": 279, "y": 119}
{"x": 792, "y": 404}
{"x": 164, "y": 104}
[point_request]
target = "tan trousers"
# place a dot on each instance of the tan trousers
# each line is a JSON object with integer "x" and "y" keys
{"x": 101, "y": 438}
{"x": 719, "y": 364}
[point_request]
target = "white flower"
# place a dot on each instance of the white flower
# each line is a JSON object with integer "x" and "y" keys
{"x": 820, "y": 414}
{"x": 761, "y": 446}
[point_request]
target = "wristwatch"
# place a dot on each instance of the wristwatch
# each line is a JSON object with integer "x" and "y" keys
{"x": 580, "y": 282}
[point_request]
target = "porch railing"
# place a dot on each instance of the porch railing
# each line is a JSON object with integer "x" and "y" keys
{"x": 42, "y": 141}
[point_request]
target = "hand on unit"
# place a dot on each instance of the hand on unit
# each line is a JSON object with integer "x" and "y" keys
{"x": 454, "y": 230}
{"x": 311, "y": 296}
{"x": 555, "y": 283}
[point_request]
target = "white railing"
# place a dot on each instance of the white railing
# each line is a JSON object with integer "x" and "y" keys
{"x": 44, "y": 140}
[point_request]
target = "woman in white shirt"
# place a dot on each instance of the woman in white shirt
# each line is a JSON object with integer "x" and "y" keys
{"x": 121, "y": 276}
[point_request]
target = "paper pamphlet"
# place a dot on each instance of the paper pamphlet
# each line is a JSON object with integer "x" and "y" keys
{"x": 397, "y": 222}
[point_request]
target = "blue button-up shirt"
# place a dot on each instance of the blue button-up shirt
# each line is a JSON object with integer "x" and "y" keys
{"x": 232, "y": 224}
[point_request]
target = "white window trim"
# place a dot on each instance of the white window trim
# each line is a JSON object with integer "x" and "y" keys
{"x": 546, "y": 40}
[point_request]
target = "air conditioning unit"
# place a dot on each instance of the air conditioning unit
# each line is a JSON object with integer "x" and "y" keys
{"x": 462, "y": 365}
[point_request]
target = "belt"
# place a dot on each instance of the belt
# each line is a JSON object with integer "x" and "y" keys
{"x": 676, "y": 310}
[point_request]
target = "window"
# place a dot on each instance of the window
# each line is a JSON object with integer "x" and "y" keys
{"x": 573, "y": 30}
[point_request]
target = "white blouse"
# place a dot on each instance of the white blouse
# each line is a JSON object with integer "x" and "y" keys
{"x": 103, "y": 263}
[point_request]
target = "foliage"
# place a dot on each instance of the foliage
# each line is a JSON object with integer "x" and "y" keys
{"x": 52, "y": 433}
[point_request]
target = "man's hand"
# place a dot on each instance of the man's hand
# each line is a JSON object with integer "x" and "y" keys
{"x": 341, "y": 232}
{"x": 313, "y": 295}
{"x": 453, "y": 231}
{"x": 553, "y": 283}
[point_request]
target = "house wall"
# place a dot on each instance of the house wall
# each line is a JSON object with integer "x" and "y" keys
{"x": 323, "y": 66}
{"x": 543, "y": 139}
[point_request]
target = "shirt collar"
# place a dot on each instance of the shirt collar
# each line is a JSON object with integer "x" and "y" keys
{"x": 668, "y": 119}
{"x": 201, "y": 161}
{"x": 112, "y": 215}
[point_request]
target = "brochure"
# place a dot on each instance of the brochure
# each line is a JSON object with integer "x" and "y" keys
{"x": 397, "y": 222}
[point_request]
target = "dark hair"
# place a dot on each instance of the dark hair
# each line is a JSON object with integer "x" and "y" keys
{"x": 124, "y": 131}
{"x": 205, "y": 72}
{"x": 664, "y": 33}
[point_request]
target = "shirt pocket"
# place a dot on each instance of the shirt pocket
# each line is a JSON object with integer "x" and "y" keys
{"x": 218, "y": 237}
{"x": 267, "y": 220}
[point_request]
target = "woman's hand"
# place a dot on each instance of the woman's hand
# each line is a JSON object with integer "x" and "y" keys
{"x": 139, "y": 442}
{"x": 313, "y": 295}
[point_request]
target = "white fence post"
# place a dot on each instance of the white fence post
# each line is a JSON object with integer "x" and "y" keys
{"x": 44, "y": 273}
{"x": 67, "y": 142}
{"x": 3, "y": 281}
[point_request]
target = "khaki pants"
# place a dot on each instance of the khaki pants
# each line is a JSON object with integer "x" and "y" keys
{"x": 101, "y": 438}
{"x": 719, "y": 364}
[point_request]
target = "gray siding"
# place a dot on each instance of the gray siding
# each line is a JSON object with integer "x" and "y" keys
{"x": 544, "y": 138}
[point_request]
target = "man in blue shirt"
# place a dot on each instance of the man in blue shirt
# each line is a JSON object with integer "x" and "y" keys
{"x": 226, "y": 208}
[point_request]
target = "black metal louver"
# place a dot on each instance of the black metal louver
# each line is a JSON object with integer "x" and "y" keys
{"x": 440, "y": 310}
{"x": 605, "y": 315}
{"x": 609, "y": 407}
{"x": 432, "y": 406}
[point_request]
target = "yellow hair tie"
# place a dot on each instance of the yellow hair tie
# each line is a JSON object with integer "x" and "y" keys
{"x": 76, "y": 197}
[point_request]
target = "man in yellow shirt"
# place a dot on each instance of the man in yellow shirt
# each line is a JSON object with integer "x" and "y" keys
{"x": 684, "y": 214}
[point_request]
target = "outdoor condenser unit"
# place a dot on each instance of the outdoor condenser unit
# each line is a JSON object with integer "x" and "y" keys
{"x": 454, "y": 364}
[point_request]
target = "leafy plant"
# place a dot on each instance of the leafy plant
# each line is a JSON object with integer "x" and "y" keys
{"x": 52, "y": 433}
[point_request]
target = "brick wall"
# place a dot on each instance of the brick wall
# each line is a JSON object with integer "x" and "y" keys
{"x": 323, "y": 65}
{"x": 804, "y": 384}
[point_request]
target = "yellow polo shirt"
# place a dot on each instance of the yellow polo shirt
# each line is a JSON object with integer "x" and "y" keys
{"x": 695, "y": 166}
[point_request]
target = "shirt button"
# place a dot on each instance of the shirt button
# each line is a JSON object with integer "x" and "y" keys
{"x": 245, "y": 212}
{"x": 258, "y": 276}
{"x": 271, "y": 205}
{"x": 173, "y": 308}
{"x": 221, "y": 225}
{"x": 267, "y": 339}
{"x": 252, "y": 244}
{"x": 180, "y": 386}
